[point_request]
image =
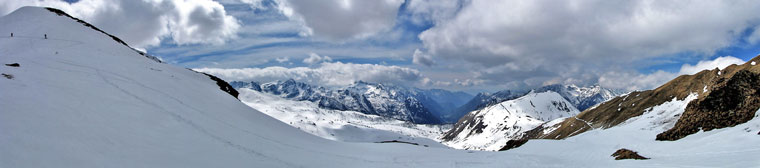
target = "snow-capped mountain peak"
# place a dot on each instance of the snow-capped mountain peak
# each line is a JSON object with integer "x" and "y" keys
{"x": 491, "y": 127}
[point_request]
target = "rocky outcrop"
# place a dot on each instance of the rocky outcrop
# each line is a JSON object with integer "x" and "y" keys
{"x": 224, "y": 86}
{"x": 731, "y": 101}
{"x": 623, "y": 153}
{"x": 726, "y": 98}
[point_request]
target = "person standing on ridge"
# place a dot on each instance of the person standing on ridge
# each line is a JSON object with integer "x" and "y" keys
{"x": 45, "y": 36}
{"x": 11, "y": 34}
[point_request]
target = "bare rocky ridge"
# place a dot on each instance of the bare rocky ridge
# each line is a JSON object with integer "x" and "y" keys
{"x": 733, "y": 99}
{"x": 726, "y": 98}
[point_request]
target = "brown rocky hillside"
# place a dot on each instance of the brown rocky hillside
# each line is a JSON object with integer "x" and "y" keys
{"x": 732, "y": 97}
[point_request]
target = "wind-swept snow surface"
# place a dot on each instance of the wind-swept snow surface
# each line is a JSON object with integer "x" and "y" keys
{"x": 80, "y": 99}
{"x": 348, "y": 126}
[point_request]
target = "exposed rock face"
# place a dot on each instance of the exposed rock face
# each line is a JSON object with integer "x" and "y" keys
{"x": 513, "y": 144}
{"x": 623, "y": 153}
{"x": 224, "y": 86}
{"x": 731, "y": 101}
{"x": 726, "y": 98}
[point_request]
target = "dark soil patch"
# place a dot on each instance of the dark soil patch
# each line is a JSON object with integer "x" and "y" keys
{"x": 623, "y": 153}
{"x": 13, "y": 65}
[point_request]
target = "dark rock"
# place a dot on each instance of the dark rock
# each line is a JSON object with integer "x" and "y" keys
{"x": 9, "y": 76}
{"x": 224, "y": 86}
{"x": 623, "y": 153}
{"x": 13, "y": 65}
{"x": 397, "y": 141}
{"x": 730, "y": 102}
{"x": 511, "y": 144}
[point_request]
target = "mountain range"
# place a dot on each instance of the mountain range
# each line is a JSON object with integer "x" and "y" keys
{"x": 84, "y": 98}
{"x": 397, "y": 102}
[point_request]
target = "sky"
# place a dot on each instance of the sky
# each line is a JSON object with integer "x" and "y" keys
{"x": 467, "y": 45}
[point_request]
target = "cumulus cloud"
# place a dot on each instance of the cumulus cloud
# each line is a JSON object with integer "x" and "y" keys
{"x": 340, "y": 19}
{"x": 144, "y": 23}
{"x": 720, "y": 63}
{"x": 530, "y": 41}
{"x": 754, "y": 38}
{"x": 431, "y": 11}
{"x": 421, "y": 58}
{"x": 327, "y": 74}
{"x": 637, "y": 81}
{"x": 314, "y": 58}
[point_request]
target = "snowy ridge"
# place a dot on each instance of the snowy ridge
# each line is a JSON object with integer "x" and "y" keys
{"x": 582, "y": 97}
{"x": 491, "y": 127}
{"x": 348, "y": 126}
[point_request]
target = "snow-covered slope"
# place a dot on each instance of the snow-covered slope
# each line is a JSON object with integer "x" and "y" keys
{"x": 581, "y": 98}
{"x": 729, "y": 147}
{"x": 491, "y": 127}
{"x": 348, "y": 126}
{"x": 98, "y": 103}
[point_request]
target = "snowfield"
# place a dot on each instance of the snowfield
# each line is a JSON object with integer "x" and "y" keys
{"x": 80, "y": 99}
{"x": 347, "y": 126}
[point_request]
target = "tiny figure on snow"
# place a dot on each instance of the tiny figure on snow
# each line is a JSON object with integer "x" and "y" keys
{"x": 45, "y": 36}
{"x": 11, "y": 34}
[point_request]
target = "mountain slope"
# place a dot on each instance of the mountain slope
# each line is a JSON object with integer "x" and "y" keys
{"x": 98, "y": 103}
{"x": 491, "y": 127}
{"x": 580, "y": 97}
{"x": 726, "y": 98}
{"x": 482, "y": 100}
{"x": 347, "y": 126}
{"x": 408, "y": 104}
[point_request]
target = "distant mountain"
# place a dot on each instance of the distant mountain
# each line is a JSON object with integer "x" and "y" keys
{"x": 347, "y": 126}
{"x": 483, "y": 100}
{"x": 581, "y": 98}
{"x": 402, "y": 103}
{"x": 491, "y": 127}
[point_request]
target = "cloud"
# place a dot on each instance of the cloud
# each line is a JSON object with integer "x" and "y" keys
{"x": 340, "y": 19}
{"x": 282, "y": 60}
{"x": 637, "y": 81}
{"x": 755, "y": 36}
{"x": 327, "y": 74}
{"x": 536, "y": 41}
{"x": 145, "y": 23}
{"x": 421, "y": 58}
{"x": 720, "y": 63}
{"x": 314, "y": 58}
{"x": 431, "y": 11}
